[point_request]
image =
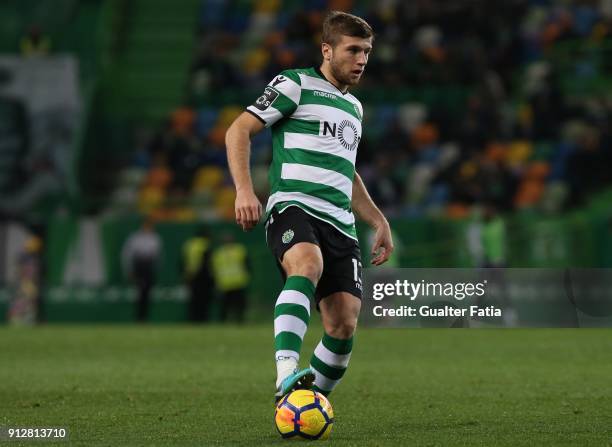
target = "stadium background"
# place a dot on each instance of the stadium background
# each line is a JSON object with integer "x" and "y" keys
{"x": 467, "y": 104}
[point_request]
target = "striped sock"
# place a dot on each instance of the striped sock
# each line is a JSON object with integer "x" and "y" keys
{"x": 329, "y": 361}
{"x": 291, "y": 317}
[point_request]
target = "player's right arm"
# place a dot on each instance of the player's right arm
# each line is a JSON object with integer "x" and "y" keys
{"x": 238, "y": 142}
{"x": 279, "y": 100}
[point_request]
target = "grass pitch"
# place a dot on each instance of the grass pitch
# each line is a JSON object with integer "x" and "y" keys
{"x": 173, "y": 385}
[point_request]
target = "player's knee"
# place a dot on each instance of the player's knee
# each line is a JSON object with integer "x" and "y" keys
{"x": 342, "y": 329}
{"x": 311, "y": 269}
{"x": 303, "y": 261}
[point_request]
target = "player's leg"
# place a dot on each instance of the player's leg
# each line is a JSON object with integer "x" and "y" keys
{"x": 292, "y": 239}
{"x": 339, "y": 314}
{"x": 339, "y": 301}
{"x": 303, "y": 265}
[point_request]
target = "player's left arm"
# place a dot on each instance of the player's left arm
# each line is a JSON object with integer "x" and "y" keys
{"x": 366, "y": 209}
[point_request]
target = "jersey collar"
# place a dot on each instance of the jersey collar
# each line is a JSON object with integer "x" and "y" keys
{"x": 320, "y": 73}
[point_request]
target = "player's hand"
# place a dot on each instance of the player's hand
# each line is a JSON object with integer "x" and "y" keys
{"x": 383, "y": 244}
{"x": 248, "y": 209}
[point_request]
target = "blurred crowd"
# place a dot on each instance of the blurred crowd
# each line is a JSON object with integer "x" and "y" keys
{"x": 527, "y": 127}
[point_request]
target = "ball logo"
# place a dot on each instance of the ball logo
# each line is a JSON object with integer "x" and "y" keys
{"x": 288, "y": 236}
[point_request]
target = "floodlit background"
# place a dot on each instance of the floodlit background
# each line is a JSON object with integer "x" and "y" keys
{"x": 486, "y": 142}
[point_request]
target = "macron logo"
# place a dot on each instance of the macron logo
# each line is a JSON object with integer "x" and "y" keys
{"x": 278, "y": 80}
{"x": 325, "y": 95}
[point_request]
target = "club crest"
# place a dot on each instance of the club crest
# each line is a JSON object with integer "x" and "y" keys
{"x": 287, "y": 236}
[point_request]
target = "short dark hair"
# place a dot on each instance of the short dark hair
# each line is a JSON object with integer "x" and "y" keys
{"x": 338, "y": 23}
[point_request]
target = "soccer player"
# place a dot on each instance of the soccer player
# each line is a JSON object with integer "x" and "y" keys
{"x": 310, "y": 226}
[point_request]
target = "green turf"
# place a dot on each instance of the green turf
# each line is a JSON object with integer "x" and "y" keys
{"x": 170, "y": 385}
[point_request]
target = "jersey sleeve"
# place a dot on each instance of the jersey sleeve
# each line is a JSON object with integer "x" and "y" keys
{"x": 279, "y": 99}
{"x": 360, "y": 107}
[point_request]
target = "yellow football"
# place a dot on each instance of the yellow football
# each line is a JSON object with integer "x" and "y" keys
{"x": 304, "y": 414}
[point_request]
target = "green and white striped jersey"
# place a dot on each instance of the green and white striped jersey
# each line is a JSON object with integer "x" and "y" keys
{"x": 315, "y": 133}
